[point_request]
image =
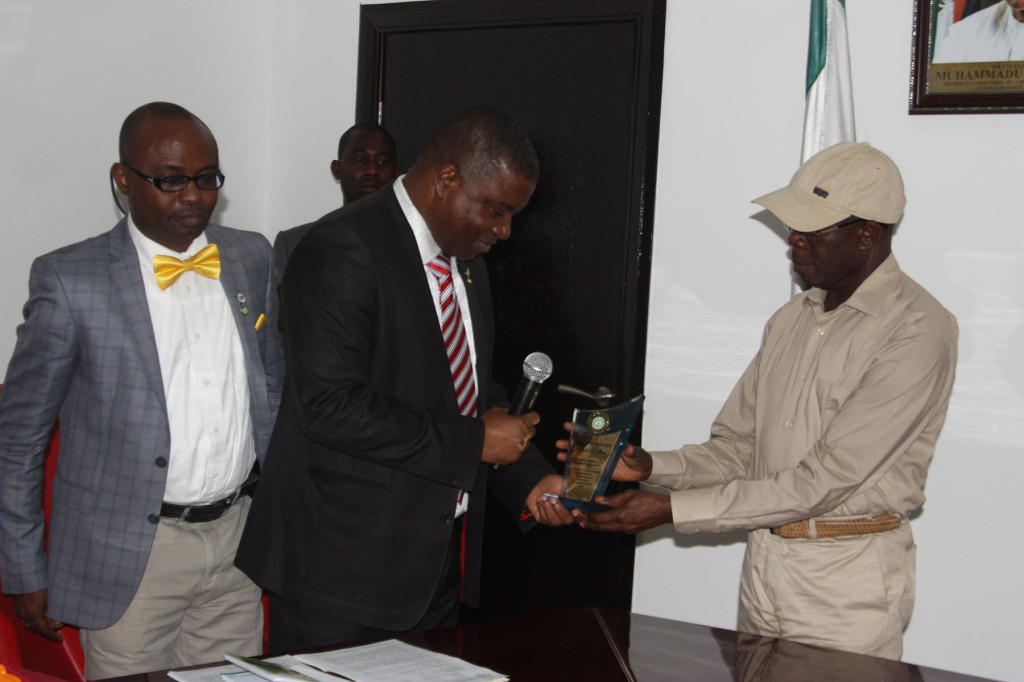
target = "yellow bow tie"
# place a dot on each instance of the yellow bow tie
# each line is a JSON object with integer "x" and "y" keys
{"x": 168, "y": 268}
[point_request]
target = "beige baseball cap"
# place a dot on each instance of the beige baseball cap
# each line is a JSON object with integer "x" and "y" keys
{"x": 849, "y": 178}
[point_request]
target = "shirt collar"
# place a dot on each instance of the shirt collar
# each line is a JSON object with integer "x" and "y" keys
{"x": 873, "y": 292}
{"x": 147, "y": 248}
{"x": 425, "y": 243}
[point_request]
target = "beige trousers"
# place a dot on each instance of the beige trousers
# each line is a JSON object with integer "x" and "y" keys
{"x": 192, "y": 606}
{"x": 851, "y": 593}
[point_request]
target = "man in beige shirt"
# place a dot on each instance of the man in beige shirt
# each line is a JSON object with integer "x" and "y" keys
{"x": 822, "y": 448}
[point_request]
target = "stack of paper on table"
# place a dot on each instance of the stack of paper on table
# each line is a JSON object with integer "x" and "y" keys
{"x": 390, "y": 661}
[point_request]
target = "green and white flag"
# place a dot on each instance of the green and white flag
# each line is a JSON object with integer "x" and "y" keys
{"x": 828, "y": 117}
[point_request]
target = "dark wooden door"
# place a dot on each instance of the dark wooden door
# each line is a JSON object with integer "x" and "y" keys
{"x": 585, "y": 80}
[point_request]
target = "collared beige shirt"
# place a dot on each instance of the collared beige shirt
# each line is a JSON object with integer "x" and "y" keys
{"x": 837, "y": 414}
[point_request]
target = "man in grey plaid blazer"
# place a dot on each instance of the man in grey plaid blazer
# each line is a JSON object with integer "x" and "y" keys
{"x": 167, "y": 386}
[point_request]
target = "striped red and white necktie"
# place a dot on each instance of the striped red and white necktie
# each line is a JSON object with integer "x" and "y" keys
{"x": 454, "y": 333}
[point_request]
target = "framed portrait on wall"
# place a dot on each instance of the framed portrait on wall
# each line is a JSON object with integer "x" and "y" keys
{"x": 968, "y": 57}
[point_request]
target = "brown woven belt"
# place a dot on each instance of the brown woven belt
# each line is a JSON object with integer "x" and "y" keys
{"x": 812, "y": 529}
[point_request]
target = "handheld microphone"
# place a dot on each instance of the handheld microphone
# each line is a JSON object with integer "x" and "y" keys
{"x": 536, "y": 370}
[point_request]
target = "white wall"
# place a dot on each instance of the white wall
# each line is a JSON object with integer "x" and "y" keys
{"x": 275, "y": 80}
{"x": 69, "y": 74}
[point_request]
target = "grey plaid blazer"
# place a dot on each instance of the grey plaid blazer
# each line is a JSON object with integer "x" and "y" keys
{"x": 86, "y": 353}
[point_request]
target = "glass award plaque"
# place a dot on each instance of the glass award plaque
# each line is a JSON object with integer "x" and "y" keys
{"x": 597, "y": 439}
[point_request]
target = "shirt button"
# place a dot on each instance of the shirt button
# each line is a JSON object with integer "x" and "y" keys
{"x": 216, "y": 430}
{"x": 206, "y": 382}
{"x": 153, "y": 518}
{"x": 196, "y": 335}
{"x": 789, "y": 424}
{"x": 161, "y": 462}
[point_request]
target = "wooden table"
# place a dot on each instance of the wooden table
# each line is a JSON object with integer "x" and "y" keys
{"x": 606, "y": 645}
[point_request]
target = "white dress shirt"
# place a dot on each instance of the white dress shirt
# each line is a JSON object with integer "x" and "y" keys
{"x": 204, "y": 379}
{"x": 429, "y": 249}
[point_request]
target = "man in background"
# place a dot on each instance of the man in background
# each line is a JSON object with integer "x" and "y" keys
{"x": 366, "y": 161}
{"x": 823, "y": 447}
{"x": 156, "y": 344}
{"x": 372, "y": 500}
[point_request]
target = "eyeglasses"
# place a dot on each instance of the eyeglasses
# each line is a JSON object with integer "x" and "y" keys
{"x": 176, "y": 183}
{"x": 812, "y": 237}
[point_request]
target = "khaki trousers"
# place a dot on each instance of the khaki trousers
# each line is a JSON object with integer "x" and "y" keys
{"x": 852, "y": 593}
{"x": 192, "y": 606}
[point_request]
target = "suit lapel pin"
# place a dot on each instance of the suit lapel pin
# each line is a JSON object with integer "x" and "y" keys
{"x": 243, "y": 308}
{"x": 465, "y": 275}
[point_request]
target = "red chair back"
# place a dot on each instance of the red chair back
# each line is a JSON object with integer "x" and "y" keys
{"x": 10, "y": 650}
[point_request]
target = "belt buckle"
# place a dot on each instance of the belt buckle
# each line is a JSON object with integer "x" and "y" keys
{"x": 215, "y": 509}
{"x": 186, "y": 515}
{"x": 211, "y": 512}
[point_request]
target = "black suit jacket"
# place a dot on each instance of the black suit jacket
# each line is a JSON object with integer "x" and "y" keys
{"x": 285, "y": 242}
{"x": 354, "y": 510}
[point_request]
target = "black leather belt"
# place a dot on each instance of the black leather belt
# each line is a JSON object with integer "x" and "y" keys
{"x": 207, "y": 512}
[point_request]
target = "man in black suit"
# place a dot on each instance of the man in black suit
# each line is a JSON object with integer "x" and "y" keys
{"x": 356, "y": 527}
{"x": 366, "y": 161}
